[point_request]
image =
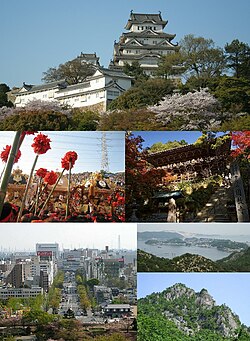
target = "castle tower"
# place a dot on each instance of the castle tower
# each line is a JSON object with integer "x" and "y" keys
{"x": 145, "y": 42}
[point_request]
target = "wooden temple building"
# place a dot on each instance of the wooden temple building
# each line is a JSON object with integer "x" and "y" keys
{"x": 194, "y": 161}
{"x": 192, "y": 167}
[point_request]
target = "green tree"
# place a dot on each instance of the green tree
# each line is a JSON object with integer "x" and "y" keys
{"x": 3, "y": 96}
{"x": 92, "y": 282}
{"x": 37, "y": 317}
{"x": 144, "y": 93}
{"x": 34, "y": 120}
{"x": 171, "y": 65}
{"x": 139, "y": 119}
{"x": 159, "y": 146}
{"x": 238, "y": 58}
{"x": 135, "y": 70}
{"x": 85, "y": 120}
{"x": 83, "y": 296}
{"x": 73, "y": 71}
{"x": 233, "y": 94}
{"x": 237, "y": 124}
{"x": 14, "y": 303}
{"x": 201, "y": 58}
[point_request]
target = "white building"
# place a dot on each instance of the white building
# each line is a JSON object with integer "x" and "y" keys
{"x": 6, "y": 293}
{"x": 47, "y": 250}
{"x": 145, "y": 42}
{"x": 96, "y": 92}
{"x": 45, "y": 266}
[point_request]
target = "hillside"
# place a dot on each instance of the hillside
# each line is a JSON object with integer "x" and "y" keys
{"x": 236, "y": 261}
{"x": 158, "y": 235}
{"x": 147, "y": 262}
{"x": 179, "y": 313}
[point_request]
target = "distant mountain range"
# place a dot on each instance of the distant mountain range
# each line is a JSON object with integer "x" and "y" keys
{"x": 158, "y": 235}
{"x": 181, "y": 314}
{"x": 235, "y": 262}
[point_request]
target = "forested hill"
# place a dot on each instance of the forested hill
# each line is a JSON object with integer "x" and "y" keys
{"x": 236, "y": 261}
{"x": 179, "y": 313}
{"x": 187, "y": 262}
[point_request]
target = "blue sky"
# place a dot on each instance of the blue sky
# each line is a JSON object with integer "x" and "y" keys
{"x": 36, "y": 35}
{"x": 151, "y": 137}
{"x": 86, "y": 144}
{"x": 229, "y": 288}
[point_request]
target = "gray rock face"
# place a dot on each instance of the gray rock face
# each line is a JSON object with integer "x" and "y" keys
{"x": 178, "y": 290}
{"x": 189, "y": 303}
{"x": 204, "y": 299}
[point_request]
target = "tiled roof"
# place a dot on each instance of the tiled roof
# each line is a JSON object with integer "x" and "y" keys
{"x": 139, "y": 18}
{"x": 148, "y": 34}
{"x": 47, "y": 86}
{"x": 113, "y": 73}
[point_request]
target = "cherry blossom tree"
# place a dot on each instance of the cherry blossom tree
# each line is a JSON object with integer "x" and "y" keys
{"x": 197, "y": 110}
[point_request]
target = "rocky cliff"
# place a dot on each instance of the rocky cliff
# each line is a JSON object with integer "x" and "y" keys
{"x": 188, "y": 315}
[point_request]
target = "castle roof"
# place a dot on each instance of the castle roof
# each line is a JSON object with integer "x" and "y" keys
{"x": 41, "y": 87}
{"x": 140, "y": 18}
{"x": 148, "y": 34}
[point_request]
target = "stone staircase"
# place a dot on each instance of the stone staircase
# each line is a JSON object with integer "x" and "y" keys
{"x": 216, "y": 209}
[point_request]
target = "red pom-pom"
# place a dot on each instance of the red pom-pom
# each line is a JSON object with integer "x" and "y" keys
{"x": 69, "y": 160}
{"x": 41, "y": 172}
{"x": 5, "y": 154}
{"x": 50, "y": 178}
{"x": 41, "y": 144}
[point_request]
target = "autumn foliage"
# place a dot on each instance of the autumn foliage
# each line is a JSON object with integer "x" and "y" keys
{"x": 141, "y": 177}
{"x": 241, "y": 142}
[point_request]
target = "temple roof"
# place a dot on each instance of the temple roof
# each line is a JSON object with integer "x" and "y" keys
{"x": 189, "y": 153}
{"x": 140, "y": 18}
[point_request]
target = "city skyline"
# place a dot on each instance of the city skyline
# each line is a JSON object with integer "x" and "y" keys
{"x": 62, "y": 30}
{"x": 20, "y": 237}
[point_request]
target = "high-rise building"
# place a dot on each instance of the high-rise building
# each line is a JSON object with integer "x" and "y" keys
{"x": 45, "y": 250}
{"x": 145, "y": 42}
